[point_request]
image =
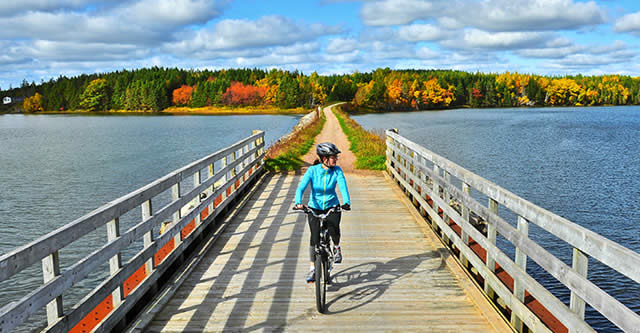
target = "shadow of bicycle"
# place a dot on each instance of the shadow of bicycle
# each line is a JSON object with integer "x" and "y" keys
{"x": 372, "y": 279}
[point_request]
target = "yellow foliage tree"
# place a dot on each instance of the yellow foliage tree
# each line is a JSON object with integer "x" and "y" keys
{"x": 394, "y": 93}
{"x": 563, "y": 91}
{"x": 433, "y": 94}
{"x": 34, "y": 103}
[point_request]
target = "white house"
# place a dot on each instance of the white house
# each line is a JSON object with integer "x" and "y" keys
{"x": 6, "y": 100}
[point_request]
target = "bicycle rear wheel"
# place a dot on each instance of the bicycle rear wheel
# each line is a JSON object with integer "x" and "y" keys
{"x": 321, "y": 285}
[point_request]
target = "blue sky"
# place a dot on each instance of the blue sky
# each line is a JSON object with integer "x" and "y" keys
{"x": 42, "y": 39}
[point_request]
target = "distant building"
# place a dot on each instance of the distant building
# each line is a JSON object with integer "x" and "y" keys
{"x": 6, "y": 100}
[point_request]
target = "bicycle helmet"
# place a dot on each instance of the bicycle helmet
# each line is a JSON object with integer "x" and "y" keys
{"x": 327, "y": 149}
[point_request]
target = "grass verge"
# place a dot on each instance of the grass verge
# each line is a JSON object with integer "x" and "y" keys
{"x": 368, "y": 146}
{"x": 286, "y": 155}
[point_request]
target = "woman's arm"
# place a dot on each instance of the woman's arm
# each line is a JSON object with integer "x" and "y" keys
{"x": 342, "y": 185}
{"x": 304, "y": 182}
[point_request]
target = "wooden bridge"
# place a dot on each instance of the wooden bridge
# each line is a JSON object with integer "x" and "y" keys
{"x": 420, "y": 255}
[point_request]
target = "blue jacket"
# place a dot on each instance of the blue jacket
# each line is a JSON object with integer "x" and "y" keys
{"x": 323, "y": 187}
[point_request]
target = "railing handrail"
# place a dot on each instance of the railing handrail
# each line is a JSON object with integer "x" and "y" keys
{"x": 409, "y": 160}
{"x": 599, "y": 247}
{"x": 22, "y": 257}
{"x": 239, "y": 162}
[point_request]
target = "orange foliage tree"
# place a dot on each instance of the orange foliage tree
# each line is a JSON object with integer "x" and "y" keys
{"x": 239, "y": 94}
{"x": 182, "y": 95}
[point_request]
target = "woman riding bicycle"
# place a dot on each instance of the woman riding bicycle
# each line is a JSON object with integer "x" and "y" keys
{"x": 324, "y": 175}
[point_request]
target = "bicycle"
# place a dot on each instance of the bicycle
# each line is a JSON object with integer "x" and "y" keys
{"x": 323, "y": 262}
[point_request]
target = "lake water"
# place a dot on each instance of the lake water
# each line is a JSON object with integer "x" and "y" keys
{"x": 580, "y": 163}
{"x": 56, "y": 168}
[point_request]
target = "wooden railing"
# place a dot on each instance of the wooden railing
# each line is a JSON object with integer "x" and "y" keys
{"x": 429, "y": 180}
{"x": 108, "y": 303}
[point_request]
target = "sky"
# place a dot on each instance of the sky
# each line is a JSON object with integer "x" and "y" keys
{"x": 43, "y": 39}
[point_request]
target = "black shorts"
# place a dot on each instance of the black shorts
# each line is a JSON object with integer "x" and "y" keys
{"x": 333, "y": 224}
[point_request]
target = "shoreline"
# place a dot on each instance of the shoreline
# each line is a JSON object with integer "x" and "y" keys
{"x": 228, "y": 111}
{"x": 180, "y": 111}
{"x": 357, "y": 111}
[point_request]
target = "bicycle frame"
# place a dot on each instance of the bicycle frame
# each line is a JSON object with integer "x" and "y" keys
{"x": 323, "y": 260}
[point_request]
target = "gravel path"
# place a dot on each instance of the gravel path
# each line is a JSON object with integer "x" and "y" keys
{"x": 332, "y": 132}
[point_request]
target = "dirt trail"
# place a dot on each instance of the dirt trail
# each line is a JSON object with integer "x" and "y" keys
{"x": 332, "y": 132}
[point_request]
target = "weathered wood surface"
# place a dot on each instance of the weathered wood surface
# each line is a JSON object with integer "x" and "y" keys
{"x": 392, "y": 277}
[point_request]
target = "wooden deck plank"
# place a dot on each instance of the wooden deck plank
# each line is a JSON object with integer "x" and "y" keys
{"x": 392, "y": 278}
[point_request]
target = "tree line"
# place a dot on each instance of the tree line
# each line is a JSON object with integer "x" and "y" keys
{"x": 157, "y": 88}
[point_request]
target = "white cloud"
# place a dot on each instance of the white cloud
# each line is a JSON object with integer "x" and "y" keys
{"x": 616, "y": 46}
{"x": 73, "y": 51}
{"x": 241, "y": 34}
{"x": 493, "y": 15}
{"x": 9, "y": 7}
{"x": 591, "y": 60}
{"x": 343, "y": 59}
{"x": 170, "y": 12}
{"x": 341, "y": 45}
{"x": 382, "y": 50}
{"x": 144, "y": 22}
{"x": 536, "y": 15}
{"x": 581, "y": 54}
{"x": 474, "y": 38}
{"x": 398, "y": 12}
{"x": 299, "y": 48}
{"x": 422, "y": 32}
{"x": 427, "y": 53}
{"x": 629, "y": 23}
{"x": 550, "y": 52}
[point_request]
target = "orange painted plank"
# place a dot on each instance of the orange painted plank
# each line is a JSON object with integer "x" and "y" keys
{"x": 94, "y": 317}
{"x": 204, "y": 213}
{"x": 163, "y": 252}
{"x": 217, "y": 201}
{"x": 134, "y": 280}
{"x": 188, "y": 228}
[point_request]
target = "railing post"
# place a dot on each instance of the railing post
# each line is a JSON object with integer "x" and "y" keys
{"x": 223, "y": 179}
{"x": 446, "y": 198}
{"x": 491, "y": 237}
{"x": 197, "y": 180}
{"x": 580, "y": 265}
{"x": 51, "y": 269}
{"x": 465, "y": 216}
{"x": 115, "y": 262}
{"x": 436, "y": 192}
{"x": 521, "y": 261}
{"x": 212, "y": 188}
{"x": 148, "y": 237}
{"x": 234, "y": 169}
{"x": 175, "y": 195}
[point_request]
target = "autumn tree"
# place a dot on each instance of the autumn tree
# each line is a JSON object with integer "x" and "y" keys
{"x": 96, "y": 96}
{"x": 239, "y": 94}
{"x": 182, "y": 95}
{"x": 34, "y": 103}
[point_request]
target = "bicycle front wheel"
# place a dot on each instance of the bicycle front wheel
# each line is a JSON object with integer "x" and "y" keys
{"x": 321, "y": 285}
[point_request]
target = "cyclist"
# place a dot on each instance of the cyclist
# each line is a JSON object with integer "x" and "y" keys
{"x": 324, "y": 175}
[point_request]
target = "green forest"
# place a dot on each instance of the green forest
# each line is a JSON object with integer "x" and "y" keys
{"x": 156, "y": 89}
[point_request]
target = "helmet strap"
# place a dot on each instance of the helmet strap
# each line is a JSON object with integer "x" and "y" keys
{"x": 323, "y": 163}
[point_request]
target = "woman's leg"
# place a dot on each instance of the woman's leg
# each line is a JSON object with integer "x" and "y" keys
{"x": 333, "y": 223}
{"x": 314, "y": 227}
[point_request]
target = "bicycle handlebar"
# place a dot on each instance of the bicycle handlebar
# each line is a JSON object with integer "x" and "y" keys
{"x": 337, "y": 209}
